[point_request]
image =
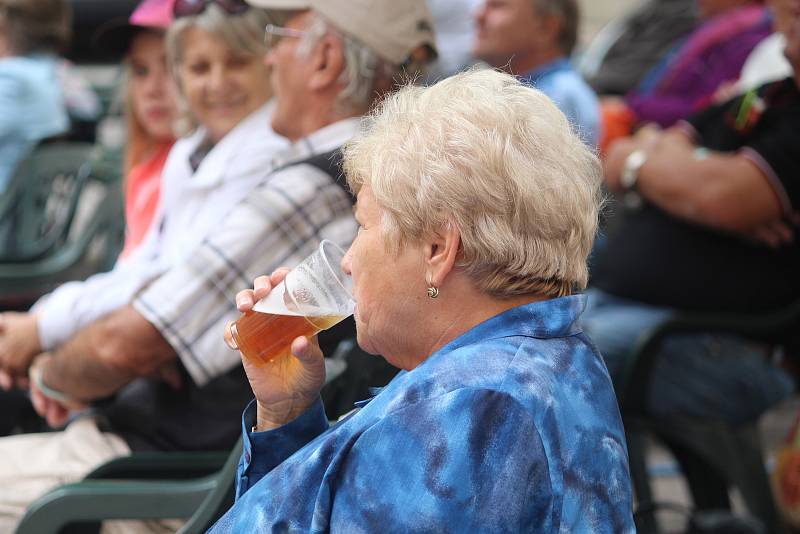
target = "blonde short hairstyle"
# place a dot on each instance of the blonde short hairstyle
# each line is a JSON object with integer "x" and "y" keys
{"x": 496, "y": 158}
{"x": 243, "y": 32}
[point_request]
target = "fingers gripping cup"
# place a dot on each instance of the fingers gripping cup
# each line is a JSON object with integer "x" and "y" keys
{"x": 313, "y": 297}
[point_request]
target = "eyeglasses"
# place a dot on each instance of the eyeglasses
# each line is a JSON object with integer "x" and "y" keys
{"x": 273, "y": 34}
{"x": 186, "y": 8}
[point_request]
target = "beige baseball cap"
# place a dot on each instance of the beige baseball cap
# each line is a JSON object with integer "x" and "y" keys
{"x": 393, "y": 29}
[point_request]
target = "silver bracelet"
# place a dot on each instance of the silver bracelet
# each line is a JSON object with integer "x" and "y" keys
{"x": 38, "y": 379}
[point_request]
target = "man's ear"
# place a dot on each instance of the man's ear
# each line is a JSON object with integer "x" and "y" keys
{"x": 441, "y": 251}
{"x": 550, "y": 28}
{"x": 328, "y": 62}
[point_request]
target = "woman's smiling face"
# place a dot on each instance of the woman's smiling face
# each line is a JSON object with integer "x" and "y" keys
{"x": 221, "y": 85}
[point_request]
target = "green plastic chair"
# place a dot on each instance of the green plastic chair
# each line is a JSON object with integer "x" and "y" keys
{"x": 714, "y": 453}
{"x": 61, "y": 219}
{"x": 196, "y": 486}
{"x": 199, "y": 486}
{"x": 42, "y": 199}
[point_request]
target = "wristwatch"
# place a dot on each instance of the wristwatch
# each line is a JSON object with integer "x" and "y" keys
{"x": 630, "y": 174}
{"x": 630, "y": 169}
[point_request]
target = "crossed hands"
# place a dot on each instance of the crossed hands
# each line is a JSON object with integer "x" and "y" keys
{"x": 22, "y": 362}
{"x": 664, "y": 146}
{"x": 286, "y": 387}
{"x": 54, "y": 407}
{"x": 19, "y": 345}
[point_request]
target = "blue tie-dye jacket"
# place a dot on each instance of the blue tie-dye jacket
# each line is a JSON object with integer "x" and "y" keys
{"x": 512, "y": 427}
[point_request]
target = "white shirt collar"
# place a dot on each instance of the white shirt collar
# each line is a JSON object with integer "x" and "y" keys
{"x": 326, "y": 138}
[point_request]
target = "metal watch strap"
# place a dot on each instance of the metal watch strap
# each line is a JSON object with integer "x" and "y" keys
{"x": 630, "y": 169}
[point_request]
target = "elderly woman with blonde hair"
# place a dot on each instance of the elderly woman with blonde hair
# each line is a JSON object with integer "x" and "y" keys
{"x": 477, "y": 209}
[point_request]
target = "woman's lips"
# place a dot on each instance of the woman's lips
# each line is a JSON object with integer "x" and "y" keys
{"x": 156, "y": 113}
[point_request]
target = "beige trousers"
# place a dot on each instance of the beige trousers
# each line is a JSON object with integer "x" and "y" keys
{"x": 33, "y": 464}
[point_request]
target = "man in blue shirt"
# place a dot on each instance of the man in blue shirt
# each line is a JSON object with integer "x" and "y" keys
{"x": 533, "y": 39}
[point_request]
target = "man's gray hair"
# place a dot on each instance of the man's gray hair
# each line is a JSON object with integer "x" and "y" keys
{"x": 363, "y": 69}
{"x": 568, "y": 12}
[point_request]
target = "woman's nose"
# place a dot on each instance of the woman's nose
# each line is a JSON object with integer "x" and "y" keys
{"x": 346, "y": 260}
{"x": 157, "y": 84}
{"x": 217, "y": 79}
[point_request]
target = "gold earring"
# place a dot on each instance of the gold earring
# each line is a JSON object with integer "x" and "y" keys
{"x": 433, "y": 291}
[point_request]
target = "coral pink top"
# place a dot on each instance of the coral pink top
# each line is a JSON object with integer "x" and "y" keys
{"x": 141, "y": 197}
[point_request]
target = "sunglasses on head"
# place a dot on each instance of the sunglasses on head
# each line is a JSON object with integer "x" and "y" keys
{"x": 186, "y": 8}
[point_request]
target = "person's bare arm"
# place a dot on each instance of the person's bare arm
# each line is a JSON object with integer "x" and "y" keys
{"x": 723, "y": 191}
{"x": 107, "y": 355}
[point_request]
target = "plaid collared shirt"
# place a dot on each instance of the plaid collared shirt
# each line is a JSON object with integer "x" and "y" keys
{"x": 280, "y": 223}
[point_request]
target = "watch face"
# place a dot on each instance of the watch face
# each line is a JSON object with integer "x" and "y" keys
{"x": 628, "y": 178}
{"x": 630, "y": 171}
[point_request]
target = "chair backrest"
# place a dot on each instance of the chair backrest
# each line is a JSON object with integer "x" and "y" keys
{"x": 62, "y": 219}
{"x": 40, "y": 204}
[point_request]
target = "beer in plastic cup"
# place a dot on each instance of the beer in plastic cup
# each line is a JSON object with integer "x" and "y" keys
{"x": 313, "y": 297}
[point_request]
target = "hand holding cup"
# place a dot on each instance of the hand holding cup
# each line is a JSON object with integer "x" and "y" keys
{"x": 277, "y": 333}
{"x": 289, "y": 385}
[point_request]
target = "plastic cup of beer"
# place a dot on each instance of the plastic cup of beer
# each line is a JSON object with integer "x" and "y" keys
{"x": 313, "y": 297}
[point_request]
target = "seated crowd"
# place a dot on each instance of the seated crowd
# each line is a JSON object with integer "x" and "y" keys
{"x": 468, "y": 210}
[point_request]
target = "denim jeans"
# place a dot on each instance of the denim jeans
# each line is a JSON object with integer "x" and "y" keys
{"x": 702, "y": 375}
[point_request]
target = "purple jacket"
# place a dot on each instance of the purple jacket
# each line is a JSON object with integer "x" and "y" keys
{"x": 713, "y": 54}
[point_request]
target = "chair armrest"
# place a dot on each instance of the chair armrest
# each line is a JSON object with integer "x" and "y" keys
{"x": 161, "y": 465}
{"x": 96, "y": 500}
{"x": 775, "y": 327}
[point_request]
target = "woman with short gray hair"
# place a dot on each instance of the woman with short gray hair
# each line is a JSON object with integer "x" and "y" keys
{"x": 32, "y": 105}
{"x": 477, "y": 208}
{"x": 524, "y": 193}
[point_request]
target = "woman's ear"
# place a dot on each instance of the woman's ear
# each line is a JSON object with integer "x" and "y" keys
{"x": 441, "y": 251}
{"x": 328, "y": 61}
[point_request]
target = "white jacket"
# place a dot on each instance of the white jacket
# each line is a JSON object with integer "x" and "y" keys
{"x": 191, "y": 205}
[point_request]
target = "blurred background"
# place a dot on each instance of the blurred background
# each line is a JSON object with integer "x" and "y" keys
{"x": 104, "y": 130}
